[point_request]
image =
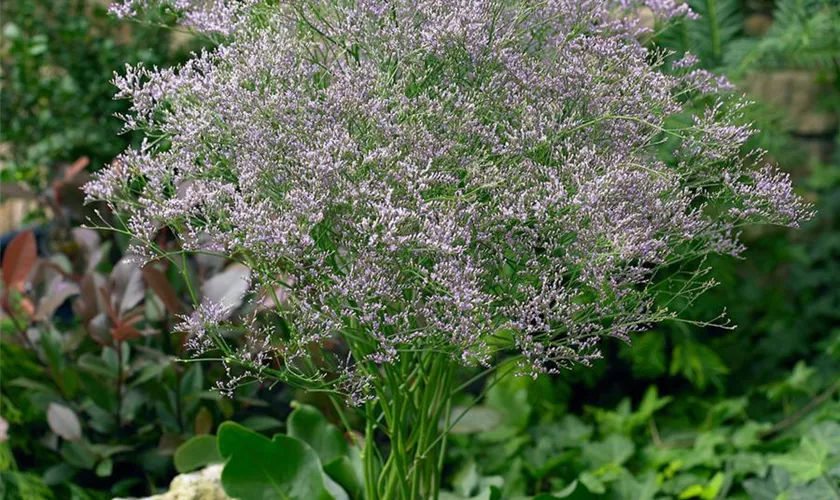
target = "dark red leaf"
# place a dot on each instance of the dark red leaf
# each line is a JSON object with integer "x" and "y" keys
{"x": 157, "y": 281}
{"x": 20, "y": 256}
{"x": 125, "y": 332}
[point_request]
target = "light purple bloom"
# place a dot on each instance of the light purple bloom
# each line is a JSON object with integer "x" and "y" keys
{"x": 468, "y": 176}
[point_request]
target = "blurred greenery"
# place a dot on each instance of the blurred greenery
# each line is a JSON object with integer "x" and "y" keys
{"x": 58, "y": 60}
{"x": 687, "y": 412}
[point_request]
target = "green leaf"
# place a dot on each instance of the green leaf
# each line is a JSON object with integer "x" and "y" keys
{"x": 698, "y": 363}
{"x": 309, "y": 425}
{"x": 192, "y": 383}
{"x": 473, "y": 420}
{"x": 564, "y": 493}
{"x": 592, "y": 483}
{"x": 651, "y": 403}
{"x": 105, "y": 468}
{"x": 465, "y": 480}
{"x": 197, "y": 452}
{"x": 647, "y": 355}
{"x": 708, "y": 491}
{"x": 800, "y": 381}
{"x": 348, "y": 472}
{"x": 805, "y": 463}
{"x": 262, "y": 423}
{"x": 639, "y": 487}
{"x": 283, "y": 468}
{"x": 777, "y": 486}
{"x": 743, "y": 464}
{"x": 827, "y": 432}
{"x": 342, "y": 462}
{"x": 509, "y": 396}
{"x": 571, "y": 431}
{"x": 614, "y": 450}
{"x": 748, "y": 435}
{"x": 58, "y": 474}
{"x": 78, "y": 455}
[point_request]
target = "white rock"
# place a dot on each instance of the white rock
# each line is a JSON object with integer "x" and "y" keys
{"x": 204, "y": 484}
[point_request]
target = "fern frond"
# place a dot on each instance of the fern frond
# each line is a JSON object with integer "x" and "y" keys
{"x": 720, "y": 23}
{"x": 806, "y": 34}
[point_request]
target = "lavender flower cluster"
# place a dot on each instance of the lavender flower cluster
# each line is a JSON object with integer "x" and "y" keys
{"x": 465, "y": 176}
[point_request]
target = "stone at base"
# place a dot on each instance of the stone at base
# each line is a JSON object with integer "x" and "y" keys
{"x": 204, "y": 484}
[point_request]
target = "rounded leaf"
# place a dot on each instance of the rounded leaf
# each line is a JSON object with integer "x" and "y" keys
{"x": 283, "y": 468}
{"x": 308, "y": 424}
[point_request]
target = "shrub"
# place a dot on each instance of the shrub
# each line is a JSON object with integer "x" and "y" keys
{"x": 422, "y": 185}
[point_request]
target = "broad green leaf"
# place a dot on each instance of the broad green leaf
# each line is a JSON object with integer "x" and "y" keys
{"x": 283, "y": 468}
{"x": 342, "y": 462}
{"x": 309, "y": 425}
{"x": 197, "y": 452}
{"x": 78, "y": 455}
{"x": 348, "y": 472}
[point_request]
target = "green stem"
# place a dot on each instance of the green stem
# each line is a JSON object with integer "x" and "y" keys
{"x": 414, "y": 397}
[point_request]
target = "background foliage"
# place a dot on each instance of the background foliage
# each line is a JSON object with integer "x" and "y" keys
{"x": 97, "y": 404}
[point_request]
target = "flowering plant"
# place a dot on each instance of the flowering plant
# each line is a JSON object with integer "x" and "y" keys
{"x": 417, "y": 185}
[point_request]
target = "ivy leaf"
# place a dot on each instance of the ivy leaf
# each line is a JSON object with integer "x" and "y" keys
{"x": 643, "y": 487}
{"x": 615, "y": 450}
{"x": 778, "y": 486}
{"x": 828, "y": 432}
{"x": 748, "y": 435}
{"x": 807, "y": 462}
{"x": 283, "y": 468}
